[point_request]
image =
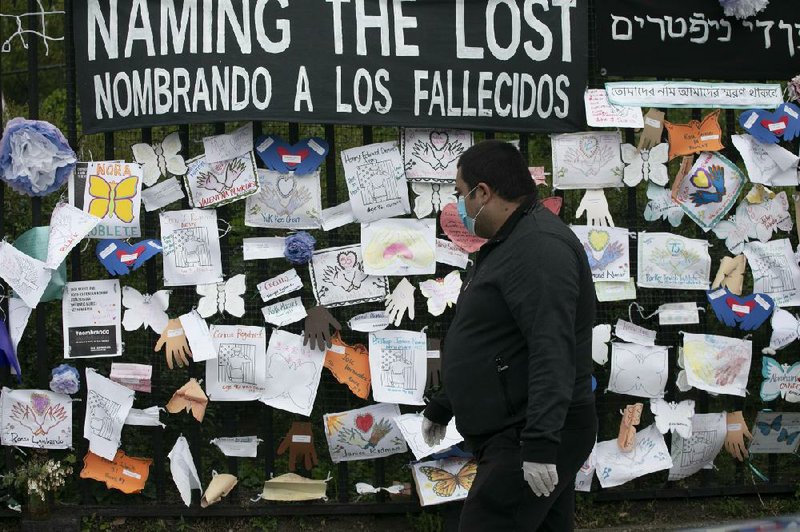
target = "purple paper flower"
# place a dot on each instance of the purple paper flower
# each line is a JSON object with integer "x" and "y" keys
{"x": 65, "y": 379}
{"x": 299, "y": 247}
{"x": 35, "y": 158}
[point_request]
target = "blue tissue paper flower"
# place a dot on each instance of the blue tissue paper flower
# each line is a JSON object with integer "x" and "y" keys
{"x": 299, "y": 247}
{"x": 65, "y": 379}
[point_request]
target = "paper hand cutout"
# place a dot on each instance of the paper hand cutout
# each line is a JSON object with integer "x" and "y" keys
{"x": 300, "y": 442}
{"x": 748, "y": 312}
{"x": 626, "y": 440}
{"x": 712, "y": 179}
{"x": 737, "y": 432}
{"x": 768, "y": 127}
{"x": 175, "y": 340}
{"x": 653, "y": 127}
{"x": 120, "y": 258}
{"x": 730, "y": 274}
{"x": 317, "y": 333}
{"x": 188, "y": 397}
{"x": 219, "y": 487}
{"x": 595, "y": 206}
{"x": 400, "y": 301}
{"x": 785, "y": 330}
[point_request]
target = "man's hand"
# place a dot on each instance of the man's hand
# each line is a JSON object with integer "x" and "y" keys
{"x": 542, "y": 478}
{"x": 432, "y": 433}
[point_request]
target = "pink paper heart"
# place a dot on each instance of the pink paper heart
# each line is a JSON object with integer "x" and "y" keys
{"x": 455, "y": 230}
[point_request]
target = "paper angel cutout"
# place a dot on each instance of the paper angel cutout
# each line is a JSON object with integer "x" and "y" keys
{"x": 222, "y": 297}
{"x": 144, "y": 309}
{"x": 673, "y": 417}
{"x": 730, "y": 274}
{"x": 301, "y": 158}
{"x": 696, "y": 136}
{"x": 631, "y": 416}
{"x": 120, "y": 258}
{"x": 432, "y": 197}
{"x": 220, "y": 486}
{"x": 189, "y": 397}
{"x": 441, "y": 293}
{"x": 785, "y": 330}
{"x": 601, "y": 335}
{"x": 747, "y": 313}
{"x": 184, "y": 472}
{"x": 771, "y": 126}
{"x": 160, "y": 159}
{"x": 645, "y": 165}
{"x": 661, "y": 206}
{"x": 780, "y": 380}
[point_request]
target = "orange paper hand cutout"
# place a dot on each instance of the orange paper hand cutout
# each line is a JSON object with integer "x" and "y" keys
{"x": 350, "y": 365}
{"x": 695, "y": 137}
{"x": 125, "y": 473}
{"x": 737, "y": 432}
{"x": 627, "y": 427}
{"x": 190, "y": 396}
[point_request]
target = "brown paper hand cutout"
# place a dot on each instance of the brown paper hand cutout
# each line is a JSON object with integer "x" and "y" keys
{"x": 737, "y": 432}
{"x": 190, "y": 396}
{"x": 317, "y": 334}
{"x": 731, "y": 274}
{"x": 653, "y": 127}
{"x": 627, "y": 427}
{"x": 175, "y": 340}
{"x": 300, "y": 442}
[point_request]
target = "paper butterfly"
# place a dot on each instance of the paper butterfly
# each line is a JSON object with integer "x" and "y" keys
{"x": 301, "y": 158}
{"x": 661, "y": 206}
{"x": 445, "y": 482}
{"x": 647, "y": 165}
{"x": 144, "y": 309}
{"x": 120, "y": 258}
{"x": 638, "y": 370}
{"x": 695, "y": 137}
{"x": 769, "y": 127}
{"x": 780, "y": 380}
{"x": 785, "y": 330}
{"x": 222, "y": 297}
{"x": 160, "y": 159}
{"x": 601, "y": 335}
{"x": 432, "y": 197}
{"x": 112, "y": 199}
{"x": 675, "y": 417}
{"x": 441, "y": 293}
{"x": 746, "y": 312}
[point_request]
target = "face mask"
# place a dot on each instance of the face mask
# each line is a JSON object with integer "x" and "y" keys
{"x": 468, "y": 221}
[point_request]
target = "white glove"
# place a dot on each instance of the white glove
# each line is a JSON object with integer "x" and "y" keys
{"x": 595, "y": 206}
{"x": 542, "y": 478}
{"x": 432, "y": 433}
{"x": 401, "y": 301}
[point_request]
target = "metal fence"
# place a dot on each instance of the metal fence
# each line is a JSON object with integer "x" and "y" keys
{"x": 41, "y": 345}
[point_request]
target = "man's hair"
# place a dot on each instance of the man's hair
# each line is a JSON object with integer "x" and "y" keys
{"x": 500, "y": 165}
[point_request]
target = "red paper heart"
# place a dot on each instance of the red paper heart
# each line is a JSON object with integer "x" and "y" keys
{"x": 283, "y": 152}
{"x": 553, "y": 204}
{"x": 454, "y": 228}
{"x": 749, "y": 304}
{"x": 132, "y": 256}
{"x": 364, "y": 422}
{"x": 776, "y": 126}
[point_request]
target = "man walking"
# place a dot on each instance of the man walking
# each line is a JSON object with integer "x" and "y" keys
{"x": 516, "y": 361}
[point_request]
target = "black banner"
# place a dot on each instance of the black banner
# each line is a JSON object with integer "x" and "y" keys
{"x": 503, "y": 64}
{"x": 693, "y": 39}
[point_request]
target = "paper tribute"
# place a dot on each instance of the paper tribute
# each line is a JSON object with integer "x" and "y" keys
{"x": 588, "y": 160}
{"x": 768, "y": 164}
{"x": 376, "y": 181}
{"x": 695, "y": 137}
{"x": 446, "y": 480}
{"x": 36, "y": 418}
{"x": 673, "y": 417}
{"x": 190, "y": 240}
{"x": 785, "y": 330}
{"x": 134, "y": 376}
{"x": 615, "y": 290}
{"x": 776, "y": 433}
{"x": 630, "y": 332}
{"x": 690, "y": 455}
{"x": 91, "y": 317}
{"x": 449, "y": 253}
{"x": 284, "y": 312}
{"x": 755, "y": 221}
{"x": 125, "y": 473}
{"x": 239, "y": 373}
{"x": 399, "y": 247}
{"x": 398, "y": 366}
{"x": 285, "y": 201}
{"x": 645, "y": 165}
{"x": 183, "y": 470}
{"x": 146, "y": 417}
{"x": 28, "y": 277}
{"x": 601, "y": 335}
{"x": 162, "y": 194}
{"x": 431, "y": 155}
{"x": 780, "y": 380}
{"x": 144, "y": 310}
{"x": 68, "y": 226}
{"x": 583, "y": 479}
{"x": 301, "y": 158}
{"x": 411, "y": 427}
{"x": 107, "y": 407}
{"x": 775, "y": 271}
{"x": 112, "y": 192}
{"x": 717, "y": 364}
{"x": 212, "y": 184}
{"x": 337, "y": 216}
{"x": 293, "y": 373}
{"x": 661, "y": 206}
{"x": 223, "y": 297}
{"x": 18, "y": 315}
{"x": 607, "y": 250}
{"x": 616, "y": 467}
{"x": 364, "y": 433}
{"x": 280, "y": 285}
{"x": 432, "y": 197}
{"x": 239, "y": 446}
{"x": 338, "y": 278}
{"x": 227, "y": 146}
{"x": 441, "y": 293}
{"x": 676, "y": 94}
{"x": 638, "y": 370}
{"x": 671, "y": 261}
{"x": 189, "y": 397}
{"x": 160, "y": 159}
{"x": 376, "y": 320}
{"x": 349, "y": 364}
{"x": 602, "y": 113}
{"x": 198, "y": 336}
{"x": 709, "y": 189}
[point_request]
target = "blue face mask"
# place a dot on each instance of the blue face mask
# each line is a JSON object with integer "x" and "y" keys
{"x": 467, "y": 220}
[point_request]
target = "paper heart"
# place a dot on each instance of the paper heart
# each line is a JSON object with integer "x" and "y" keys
{"x": 768, "y": 127}
{"x": 700, "y": 179}
{"x": 129, "y": 258}
{"x": 285, "y": 186}
{"x": 347, "y": 259}
{"x": 439, "y": 139}
{"x": 302, "y": 158}
{"x": 776, "y": 126}
{"x": 553, "y": 204}
{"x": 40, "y": 402}
{"x": 364, "y": 422}
{"x": 589, "y": 146}
{"x": 455, "y": 230}
{"x": 598, "y": 240}
{"x": 740, "y": 308}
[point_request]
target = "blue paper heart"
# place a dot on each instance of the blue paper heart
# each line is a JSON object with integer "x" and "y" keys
{"x": 768, "y": 127}
{"x": 746, "y": 312}
{"x": 301, "y": 158}
{"x": 120, "y": 258}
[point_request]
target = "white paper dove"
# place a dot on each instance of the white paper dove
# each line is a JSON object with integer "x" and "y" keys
{"x": 648, "y": 165}
{"x": 144, "y": 309}
{"x": 160, "y": 159}
{"x": 222, "y": 297}
{"x": 674, "y": 417}
{"x": 184, "y": 472}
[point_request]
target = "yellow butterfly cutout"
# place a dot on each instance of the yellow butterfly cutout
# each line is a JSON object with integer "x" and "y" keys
{"x": 112, "y": 199}
{"x": 445, "y": 482}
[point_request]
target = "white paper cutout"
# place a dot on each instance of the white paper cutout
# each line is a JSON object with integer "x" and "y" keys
{"x": 35, "y": 418}
{"x": 607, "y": 249}
{"x": 672, "y": 94}
{"x": 364, "y": 433}
{"x": 615, "y": 290}
{"x": 583, "y": 479}
{"x": 780, "y": 380}
{"x": 602, "y": 113}
{"x": 148, "y": 417}
{"x": 671, "y": 261}
{"x": 338, "y": 278}
{"x": 717, "y": 364}
{"x": 690, "y": 455}
{"x": 678, "y": 314}
{"x": 107, "y": 407}
{"x": 376, "y": 181}
{"x": 411, "y": 427}
{"x": 449, "y": 253}
{"x": 240, "y": 446}
{"x": 162, "y": 194}
{"x": 398, "y": 366}
{"x": 266, "y": 247}
{"x": 213, "y": 184}
{"x": 775, "y": 271}
{"x": 362, "y": 488}
{"x": 337, "y": 216}
{"x": 280, "y": 285}
{"x": 595, "y": 206}
{"x": 183, "y": 470}
{"x": 91, "y": 315}
{"x": 190, "y": 240}
{"x": 755, "y": 221}
{"x": 630, "y": 332}
{"x": 293, "y": 373}
{"x": 616, "y": 467}
{"x": 768, "y": 164}
{"x": 431, "y": 155}
{"x": 661, "y": 206}
{"x": 432, "y": 197}
{"x": 376, "y": 320}
{"x": 601, "y": 335}
{"x": 673, "y": 417}
{"x": 401, "y": 301}
{"x": 144, "y": 309}
{"x": 648, "y": 165}
{"x": 284, "y": 312}
{"x": 785, "y": 330}
{"x": 229, "y": 145}
{"x": 239, "y": 373}
{"x": 222, "y": 297}
{"x": 775, "y": 432}
{"x": 198, "y": 336}
{"x": 28, "y": 277}
{"x": 446, "y": 480}
{"x": 398, "y": 246}
{"x": 18, "y": 315}
{"x": 441, "y": 293}
{"x": 160, "y": 159}
{"x": 285, "y": 201}
{"x": 587, "y": 160}
{"x": 68, "y": 226}
{"x": 638, "y": 370}
{"x": 137, "y": 377}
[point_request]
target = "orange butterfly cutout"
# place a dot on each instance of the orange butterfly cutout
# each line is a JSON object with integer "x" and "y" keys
{"x": 696, "y": 136}
{"x": 445, "y": 482}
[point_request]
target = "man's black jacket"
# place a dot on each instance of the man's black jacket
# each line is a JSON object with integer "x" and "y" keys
{"x": 519, "y": 349}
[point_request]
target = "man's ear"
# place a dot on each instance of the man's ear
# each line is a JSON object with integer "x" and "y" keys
{"x": 486, "y": 192}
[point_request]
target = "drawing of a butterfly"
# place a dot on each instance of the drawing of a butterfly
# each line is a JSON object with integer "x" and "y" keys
{"x": 766, "y": 428}
{"x": 445, "y": 482}
{"x": 160, "y": 159}
{"x": 111, "y": 199}
{"x": 788, "y": 437}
